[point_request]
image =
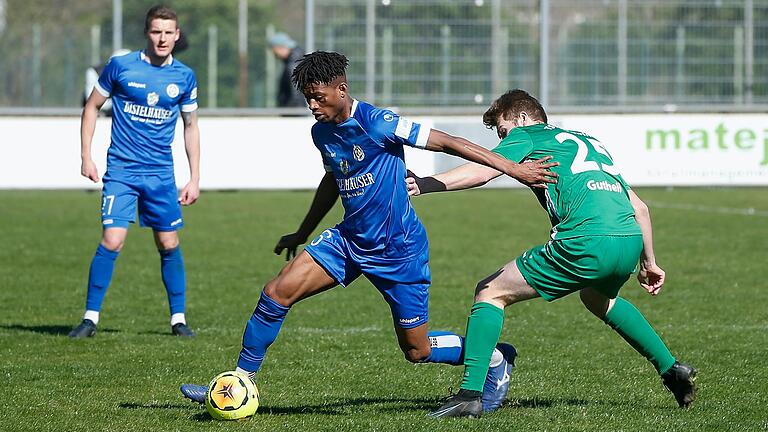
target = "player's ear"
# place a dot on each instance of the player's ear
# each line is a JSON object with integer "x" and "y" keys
{"x": 343, "y": 89}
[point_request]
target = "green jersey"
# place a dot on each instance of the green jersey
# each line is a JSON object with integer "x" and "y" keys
{"x": 590, "y": 197}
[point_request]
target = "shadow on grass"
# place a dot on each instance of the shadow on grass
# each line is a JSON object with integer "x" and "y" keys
{"x": 55, "y": 330}
{"x": 158, "y": 405}
{"x": 545, "y": 403}
{"x": 357, "y": 405}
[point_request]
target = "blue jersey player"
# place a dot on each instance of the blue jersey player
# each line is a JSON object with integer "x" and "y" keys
{"x": 149, "y": 89}
{"x": 380, "y": 236}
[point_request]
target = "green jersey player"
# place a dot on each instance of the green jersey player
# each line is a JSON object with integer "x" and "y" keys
{"x": 600, "y": 229}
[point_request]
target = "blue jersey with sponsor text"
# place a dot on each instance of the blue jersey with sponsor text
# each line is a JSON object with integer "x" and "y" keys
{"x": 146, "y": 101}
{"x": 366, "y": 156}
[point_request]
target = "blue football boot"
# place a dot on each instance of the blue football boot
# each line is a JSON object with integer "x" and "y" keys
{"x": 194, "y": 392}
{"x": 497, "y": 381}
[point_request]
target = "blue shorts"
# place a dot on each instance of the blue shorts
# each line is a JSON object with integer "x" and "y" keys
{"x": 155, "y": 194}
{"x": 404, "y": 283}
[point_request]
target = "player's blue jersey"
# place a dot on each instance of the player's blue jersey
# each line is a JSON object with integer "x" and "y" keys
{"x": 365, "y": 155}
{"x": 146, "y": 100}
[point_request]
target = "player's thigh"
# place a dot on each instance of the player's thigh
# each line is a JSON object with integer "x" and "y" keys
{"x": 118, "y": 201}
{"x": 302, "y": 277}
{"x": 159, "y": 206}
{"x": 504, "y": 287}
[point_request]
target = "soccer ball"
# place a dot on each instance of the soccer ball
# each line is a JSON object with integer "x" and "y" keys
{"x": 231, "y": 396}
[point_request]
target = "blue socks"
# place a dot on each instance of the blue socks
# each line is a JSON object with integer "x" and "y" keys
{"x": 174, "y": 278}
{"x": 99, "y": 277}
{"x": 260, "y": 331}
{"x": 447, "y": 348}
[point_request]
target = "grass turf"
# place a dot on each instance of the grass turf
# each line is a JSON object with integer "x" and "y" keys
{"x": 336, "y": 365}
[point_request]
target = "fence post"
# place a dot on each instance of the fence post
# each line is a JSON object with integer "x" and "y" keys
{"x": 386, "y": 66}
{"x": 95, "y": 45}
{"x": 749, "y": 54}
{"x": 496, "y": 48}
{"x": 213, "y": 66}
{"x": 270, "y": 75}
{"x": 309, "y": 25}
{"x": 738, "y": 65}
{"x": 370, "y": 50}
{"x": 117, "y": 25}
{"x": 621, "y": 80}
{"x": 242, "y": 39}
{"x": 680, "y": 63}
{"x": 544, "y": 52}
{"x": 445, "y": 70}
{"x": 37, "y": 61}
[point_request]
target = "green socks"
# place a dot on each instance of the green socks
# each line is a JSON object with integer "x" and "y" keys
{"x": 635, "y": 329}
{"x": 483, "y": 332}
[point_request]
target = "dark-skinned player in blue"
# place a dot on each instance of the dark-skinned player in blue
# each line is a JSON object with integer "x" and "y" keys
{"x": 380, "y": 236}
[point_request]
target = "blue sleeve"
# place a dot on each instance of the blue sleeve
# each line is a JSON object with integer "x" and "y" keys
{"x": 188, "y": 100}
{"x": 399, "y": 130}
{"x": 108, "y": 78}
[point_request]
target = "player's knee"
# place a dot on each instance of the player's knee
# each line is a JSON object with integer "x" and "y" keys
{"x": 114, "y": 244}
{"x": 416, "y": 355}
{"x": 597, "y": 305}
{"x": 166, "y": 242}
{"x": 281, "y": 292}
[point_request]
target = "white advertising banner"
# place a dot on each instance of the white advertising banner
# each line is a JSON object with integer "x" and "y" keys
{"x": 682, "y": 149}
{"x": 277, "y": 152}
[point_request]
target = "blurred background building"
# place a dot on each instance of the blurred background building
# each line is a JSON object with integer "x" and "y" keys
{"x": 450, "y": 55}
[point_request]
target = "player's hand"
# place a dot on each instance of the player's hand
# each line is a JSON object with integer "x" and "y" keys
{"x": 189, "y": 194}
{"x": 651, "y": 277}
{"x": 534, "y": 173}
{"x": 88, "y": 170}
{"x": 289, "y": 242}
{"x": 411, "y": 184}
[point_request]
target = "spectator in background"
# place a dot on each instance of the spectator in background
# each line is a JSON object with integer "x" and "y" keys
{"x": 287, "y": 50}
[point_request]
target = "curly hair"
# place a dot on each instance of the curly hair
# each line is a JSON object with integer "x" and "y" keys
{"x": 512, "y": 103}
{"x": 319, "y": 67}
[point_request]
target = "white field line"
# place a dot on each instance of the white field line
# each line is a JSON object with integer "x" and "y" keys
{"x": 709, "y": 209}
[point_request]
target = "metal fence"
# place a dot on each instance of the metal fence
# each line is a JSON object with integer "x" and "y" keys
{"x": 612, "y": 55}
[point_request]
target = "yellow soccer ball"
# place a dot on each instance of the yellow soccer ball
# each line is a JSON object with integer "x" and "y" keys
{"x": 231, "y": 396}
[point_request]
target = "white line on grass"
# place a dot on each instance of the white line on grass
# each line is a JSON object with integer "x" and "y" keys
{"x": 708, "y": 209}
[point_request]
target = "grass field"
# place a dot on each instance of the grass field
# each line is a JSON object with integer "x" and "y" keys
{"x": 336, "y": 365}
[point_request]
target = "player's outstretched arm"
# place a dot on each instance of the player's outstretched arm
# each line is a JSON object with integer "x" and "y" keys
{"x": 325, "y": 197}
{"x": 650, "y": 275}
{"x": 87, "y": 127}
{"x": 463, "y": 177}
{"x": 191, "y": 192}
{"x": 532, "y": 173}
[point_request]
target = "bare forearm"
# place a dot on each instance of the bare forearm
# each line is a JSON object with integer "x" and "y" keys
{"x": 643, "y": 218}
{"x": 466, "y": 176}
{"x": 87, "y": 128}
{"x": 325, "y": 197}
{"x": 192, "y": 146}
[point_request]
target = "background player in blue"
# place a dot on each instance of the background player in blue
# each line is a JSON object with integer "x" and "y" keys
{"x": 148, "y": 88}
{"x": 380, "y": 236}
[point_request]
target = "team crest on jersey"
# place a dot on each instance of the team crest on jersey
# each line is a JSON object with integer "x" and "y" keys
{"x": 153, "y": 98}
{"x": 344, "y": 166}
{"x": 172, "y": 90}
{"x": 357, "y": 153}
{"x": 388, "y": 117}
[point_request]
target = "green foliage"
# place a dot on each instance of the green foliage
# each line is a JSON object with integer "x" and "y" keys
{"x": 336, "y": 365}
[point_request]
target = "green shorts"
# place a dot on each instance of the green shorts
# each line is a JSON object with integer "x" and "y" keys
{"x": 561, "y": 267}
